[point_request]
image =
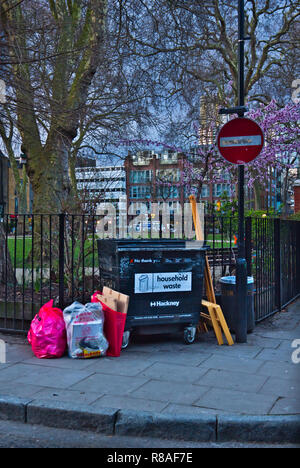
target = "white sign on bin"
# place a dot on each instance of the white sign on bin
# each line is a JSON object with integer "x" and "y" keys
{"x": 162, "y": 282}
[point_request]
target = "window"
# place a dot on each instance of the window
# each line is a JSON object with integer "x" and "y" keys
{"x": 140, "y": 191}
{"x": 221, "y": 189}
{"x": 168, "y": 175}
{"x": 205, "y": 191}
{"x": 165, "y": 192}
{"x": 140, "y": 177}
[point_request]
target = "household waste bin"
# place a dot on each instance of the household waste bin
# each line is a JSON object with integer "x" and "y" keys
{"x": 228, "y": 293}
{"x": 164, "y": 279}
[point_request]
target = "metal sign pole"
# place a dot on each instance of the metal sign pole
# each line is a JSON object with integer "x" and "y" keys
{"x": 241, "y": 264}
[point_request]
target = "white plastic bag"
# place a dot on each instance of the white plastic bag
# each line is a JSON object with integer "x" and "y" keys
{"x": 84, "y": 324}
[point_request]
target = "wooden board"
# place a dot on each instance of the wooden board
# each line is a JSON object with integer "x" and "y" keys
{"x": 121, "y": 299}
{"x": 109, "y": 301}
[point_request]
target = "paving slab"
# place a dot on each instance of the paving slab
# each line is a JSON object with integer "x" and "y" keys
{"x": 116, "y": 366}
{"x": 21, "y": 391}
{"x": 286, "y": 406}
{"x": 240, "y": 381}
{"x": 283, "y": 370}
{"x": 173, "y": 372}
{"x": 17, "y": 353}
{"x": 174, "y": 392}
{"x": 185, "y": 358}
{"x": 281, "y": 387}
{"x": 43, "y": 376}
{"x": 249, "y": 366}
{"x": 261, "y": 341}
{"x": 62, "y": 363}
{"x": 244, "y": 351}
{"x": 69, "y": 396}
{"x": 236, "y": 402}
{"x": 181, "y": 410}
{"x": 109, "y": 384}
{"x": 277, "y": 355}
{"x": 129, "y": 403}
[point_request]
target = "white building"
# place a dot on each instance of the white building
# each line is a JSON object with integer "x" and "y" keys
{"x": 101, "y": 184}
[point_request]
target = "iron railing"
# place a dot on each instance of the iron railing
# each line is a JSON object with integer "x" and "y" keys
{"x": 55, "y": 257}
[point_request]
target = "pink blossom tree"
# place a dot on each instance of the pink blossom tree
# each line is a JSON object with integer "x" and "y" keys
{"x": 279, "y": 157}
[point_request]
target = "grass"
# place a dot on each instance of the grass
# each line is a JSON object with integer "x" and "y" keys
{"x": 20, "y": 254}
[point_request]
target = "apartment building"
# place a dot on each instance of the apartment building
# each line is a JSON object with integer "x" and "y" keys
{"x": 154, "y": 178}
{"x": 101, "y": 184}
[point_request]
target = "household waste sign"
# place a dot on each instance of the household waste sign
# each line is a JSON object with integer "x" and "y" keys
{"x": 162, "y": 282}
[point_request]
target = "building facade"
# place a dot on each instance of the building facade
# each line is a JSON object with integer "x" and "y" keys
{"x": 157, "y": 177}
{"x": 154, "y": 178}
{"x": 101, "y": 184}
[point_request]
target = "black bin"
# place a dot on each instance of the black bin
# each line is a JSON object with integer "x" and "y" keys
{"x": 164, "y": 279}
{"x": 228, "y": 299}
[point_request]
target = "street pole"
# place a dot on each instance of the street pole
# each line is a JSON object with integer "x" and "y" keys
{"x": 241, "y": 264}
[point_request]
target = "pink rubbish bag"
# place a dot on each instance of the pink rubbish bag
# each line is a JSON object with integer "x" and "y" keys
{"x": 47, "y": 334}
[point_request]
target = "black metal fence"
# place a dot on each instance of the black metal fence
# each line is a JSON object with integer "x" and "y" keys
{"x": 55, "y": 257}
{"x": 273, "y": 258}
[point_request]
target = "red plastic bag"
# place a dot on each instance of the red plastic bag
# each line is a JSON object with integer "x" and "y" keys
{"x": 114, "y": 325}
{"x": 47, "y": 334}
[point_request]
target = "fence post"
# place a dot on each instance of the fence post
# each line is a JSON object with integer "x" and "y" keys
{"x": 61, "y": 259}
{"x": 277, "y": 263}
{"x": 248, "y": 245}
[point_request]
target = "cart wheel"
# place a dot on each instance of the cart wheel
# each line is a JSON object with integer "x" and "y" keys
{"x": 189, "y": 335}
{"x": 125, "y": 340}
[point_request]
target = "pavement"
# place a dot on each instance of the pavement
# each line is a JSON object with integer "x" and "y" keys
{"x": 160, "y": 387}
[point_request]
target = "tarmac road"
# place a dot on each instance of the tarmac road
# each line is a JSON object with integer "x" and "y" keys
{"x": 18, "y": 435}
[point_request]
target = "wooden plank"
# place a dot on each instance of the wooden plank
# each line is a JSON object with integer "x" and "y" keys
{"x": 196, "y": 219}
{"x": 209, "y": 287}
{"x": 224, "y": 325}
{"x": 215, "y": 324}
{"x": 217, "y": 320}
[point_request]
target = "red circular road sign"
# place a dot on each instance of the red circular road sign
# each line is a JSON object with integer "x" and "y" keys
{"x": 240, "y": 140}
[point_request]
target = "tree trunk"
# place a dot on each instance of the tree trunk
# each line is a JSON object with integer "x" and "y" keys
{"x": 257, "y": 196}
{"x": 50, "y": 178}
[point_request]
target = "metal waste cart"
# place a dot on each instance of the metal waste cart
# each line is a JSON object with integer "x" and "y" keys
{"x": 164, "y": 279}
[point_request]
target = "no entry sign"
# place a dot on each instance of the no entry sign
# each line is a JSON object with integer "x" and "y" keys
{"x": 240, "y": 140}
